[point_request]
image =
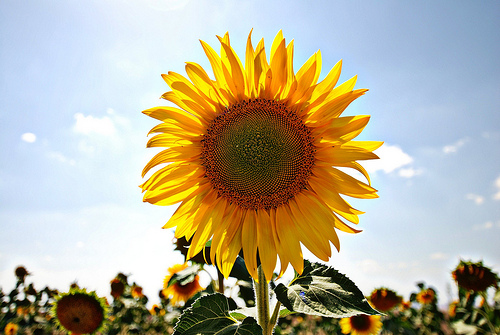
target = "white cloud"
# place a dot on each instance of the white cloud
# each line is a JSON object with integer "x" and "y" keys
{"x": 453, "y": 148}
{"x": 392, "y": 158}
{"x": 369, "y": 266}
{"x": 409, "y": 172}
{"x": 496, "y": 196}
{"x": 487, "y": 225}
{"x": 28, "y": 137}
{"x": 438, "y": 256}
{"x": 88, "y": 125}
{"x": 475, "y": 197}
{"x": 60, "y": 157}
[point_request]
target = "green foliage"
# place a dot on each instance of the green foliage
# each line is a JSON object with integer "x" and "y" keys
{"x": 321, "y": 290}
{"x": 210, "y": 315}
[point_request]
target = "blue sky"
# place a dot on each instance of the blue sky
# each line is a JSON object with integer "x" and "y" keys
{"x": 75, "y": 76}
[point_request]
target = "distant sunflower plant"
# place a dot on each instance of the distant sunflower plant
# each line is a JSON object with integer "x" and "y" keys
{"x": 256, "y": 158}
{"x": 80, "y": 312}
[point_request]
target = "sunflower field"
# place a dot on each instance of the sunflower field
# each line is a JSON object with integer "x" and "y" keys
{"x": 27, "y": 309}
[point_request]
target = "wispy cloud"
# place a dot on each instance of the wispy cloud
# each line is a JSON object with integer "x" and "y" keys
{"x": 478, "y": 199}
{"x": 60, "y": 158}
{"x": 487, "y": 225}
{"x": 409, "y": 172}
{"x": 496, "y": 196}
{"x": 392, "y": 158}
{"x": 28, "y": 137}
{"x": 438, "y": 256}
{"x": 453, "y": 148}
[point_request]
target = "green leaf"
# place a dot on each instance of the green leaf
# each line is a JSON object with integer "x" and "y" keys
{"x": 185, "y": 276}
{"x": 285, "y": 312}
{"x": 210, "y": 315}
{"x": 322, "y": 290}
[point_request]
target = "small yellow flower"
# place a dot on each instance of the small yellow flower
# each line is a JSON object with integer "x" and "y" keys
{"x": 136, "y": 292}
{"x": 157, "y": 310}
{"x": 452, "y": 309}
{"x": 361, "y": 324}
{"x": 80, "y": 312}
{"x": 255, "y": 157}
{"x": 177, "y": 293}
{"x": 384, "y": 299}
{"x": 426, "y": 296}
{"x": 11, "y": 329}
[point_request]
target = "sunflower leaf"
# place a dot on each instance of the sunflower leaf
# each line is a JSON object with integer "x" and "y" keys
{"x": 322, "y": 290}
{"x": 210, "y": 315}
{"x": 185, "y": 276}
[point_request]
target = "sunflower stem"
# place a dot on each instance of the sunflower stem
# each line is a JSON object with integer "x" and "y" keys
{"x": 262, "y": 302}
{"x": 220, "y": 286}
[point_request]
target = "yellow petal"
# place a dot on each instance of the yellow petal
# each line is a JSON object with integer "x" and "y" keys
{"x": 169, "y": 141}
{"x": 188, "y": 206}
{"x": 250, "y": 241}
{"x": 165, "y": 113}
{"x": 183, "y": 87}
{"x": 343, "y": 129}
{"x": 291, "y": 81}
{"x": 249, "y": 68}
{"x": 327, "y": 84}
{"x": 341, "y": 154}
{"x": 309, "y": 236}
{"x": 329, "y": 195}
{"x": 177, "y": 154}
{"x": 278, "y": 65}
{"x": 203, "y": 82}
{"x": 318, "y": 213}
{"x": 267, "y": 248}
{"x": 327, "y": 111}
{"x": 189, "y": 106}
{"x": 288, "y": 238}
{"x": 173, "y": 174}
{"x": 236, "y": 70}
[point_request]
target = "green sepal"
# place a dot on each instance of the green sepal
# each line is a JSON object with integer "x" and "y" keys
{"x": 321, "y": 290}
{"x": 210, "y": 315}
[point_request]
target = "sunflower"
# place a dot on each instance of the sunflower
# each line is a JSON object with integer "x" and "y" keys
{"x": 11, "y": 329}
{"x": 384, "y": 299}
{"x": 136, "y": 292}
{"x": 255, "y": 157}
{"x": 474, "y": 276}
{"x": 178, "y": 293}
{"x": 426, "y": 296}
{"x": 361, "y": 324}
{"x": 80, "y": 312}
{"x": 117, "y": 288}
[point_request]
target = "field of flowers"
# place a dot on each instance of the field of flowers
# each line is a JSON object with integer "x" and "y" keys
{"x": 27, "y": 309}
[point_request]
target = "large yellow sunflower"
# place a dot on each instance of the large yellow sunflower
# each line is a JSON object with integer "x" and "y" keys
{"x": 254, "y": 155}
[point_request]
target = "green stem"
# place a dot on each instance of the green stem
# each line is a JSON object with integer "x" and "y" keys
{"x": 262, "y": 303}
{"x": 276, "y": 312}
{"x": 220, "y": 284}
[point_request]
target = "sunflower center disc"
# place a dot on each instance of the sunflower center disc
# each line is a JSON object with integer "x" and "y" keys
{"x": 258, "y": 154}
